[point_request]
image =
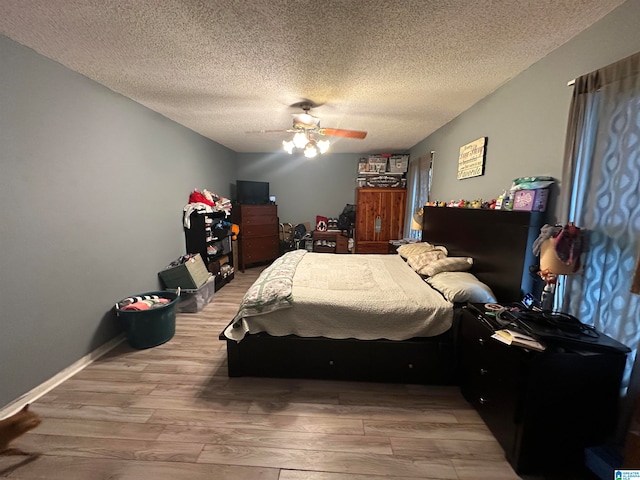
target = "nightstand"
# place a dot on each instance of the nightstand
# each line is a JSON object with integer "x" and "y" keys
{"x": 544, "y": 408}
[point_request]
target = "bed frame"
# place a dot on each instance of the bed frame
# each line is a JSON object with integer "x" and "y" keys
{"x": 500, "y": 244}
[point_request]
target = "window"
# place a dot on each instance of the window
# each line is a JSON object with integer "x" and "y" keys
{"x": 601, "y": 194}
{"x": 418, "y": 189}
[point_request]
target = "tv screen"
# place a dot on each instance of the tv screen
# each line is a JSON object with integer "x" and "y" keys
{"x": 252, "y": 193}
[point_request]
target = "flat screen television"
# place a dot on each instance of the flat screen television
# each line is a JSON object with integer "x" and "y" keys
{"x": 252, "y": 193}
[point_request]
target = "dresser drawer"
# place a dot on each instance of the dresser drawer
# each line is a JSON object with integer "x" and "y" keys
{"x": 380, "y": 248}
{"x": 260, "y": 249}
{"x": 249, "y": 211}
{"x": 259, "y": 230}
{"x": 490, "y": 375}
{"x": 260, "y": 220}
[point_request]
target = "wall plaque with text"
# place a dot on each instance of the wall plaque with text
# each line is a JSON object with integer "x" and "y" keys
{"x": 471, "y": 159}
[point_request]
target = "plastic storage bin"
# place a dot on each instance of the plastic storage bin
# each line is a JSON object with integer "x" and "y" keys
{"x": 192, "y": 301}
{"x": 153, "y": 327}
{"x": 190, "y": 274}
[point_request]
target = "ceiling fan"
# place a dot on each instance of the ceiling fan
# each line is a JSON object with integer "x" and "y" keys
{"x": 307, "y": 121}
{"x": 308, "y": 133}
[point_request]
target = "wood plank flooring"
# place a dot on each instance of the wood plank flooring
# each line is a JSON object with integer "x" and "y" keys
{"x": 171, "y": 412}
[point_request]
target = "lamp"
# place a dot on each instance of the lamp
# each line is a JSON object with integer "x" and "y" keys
{"x": 416, "y": 219}
{"x": 305, "y": 140}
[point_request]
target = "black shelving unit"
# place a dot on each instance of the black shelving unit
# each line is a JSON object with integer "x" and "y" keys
{"x": 210, "y": 236}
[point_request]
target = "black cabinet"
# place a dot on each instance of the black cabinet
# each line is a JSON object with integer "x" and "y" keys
{"x": 209, "y": 235}
{"x": 543, "y": 408}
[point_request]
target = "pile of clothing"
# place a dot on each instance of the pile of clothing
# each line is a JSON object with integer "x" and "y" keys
{"x": 207, "y": 202}
{"x": 145, "y": 302}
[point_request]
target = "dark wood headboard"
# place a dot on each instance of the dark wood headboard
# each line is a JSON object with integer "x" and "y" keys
{"x": 500, "y": 243}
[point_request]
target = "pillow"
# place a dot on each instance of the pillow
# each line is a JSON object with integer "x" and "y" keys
{"x": 410, "y": 249}
{"x": 458, "y": 287}
{"x": 448, "y": 264}
{"x": 420, "y": 261}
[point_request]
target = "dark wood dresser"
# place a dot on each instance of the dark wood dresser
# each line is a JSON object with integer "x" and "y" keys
{"x": 259, "y": 237}
{"x": 544, "y": 408}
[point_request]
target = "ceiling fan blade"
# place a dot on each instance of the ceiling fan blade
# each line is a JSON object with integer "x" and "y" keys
{"x": 272, "y": 131}
{"x": 337, "y": 132}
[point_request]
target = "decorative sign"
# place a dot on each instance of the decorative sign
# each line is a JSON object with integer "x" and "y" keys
{"x": 384, "y": 181}
{"x": 471, "y": 159}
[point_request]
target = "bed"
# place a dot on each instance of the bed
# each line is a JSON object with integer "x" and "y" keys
{"x": 411, "y": 337}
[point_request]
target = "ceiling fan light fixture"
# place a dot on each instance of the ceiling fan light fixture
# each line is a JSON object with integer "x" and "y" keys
{"x": 300, "y": 140}
{"x": 304, "y": 120}
{"x": 288, "y": 146}
{"x": 307, "y": 134}
{"x": 311, "y": 150}
{"x": 323, "y": 146}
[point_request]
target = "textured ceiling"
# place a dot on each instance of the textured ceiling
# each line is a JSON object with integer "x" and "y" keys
{"x": 229, "y": 68}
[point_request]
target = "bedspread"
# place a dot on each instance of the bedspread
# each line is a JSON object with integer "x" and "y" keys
{"x": 352, "y": 296}
{"x": 273, "y": 288}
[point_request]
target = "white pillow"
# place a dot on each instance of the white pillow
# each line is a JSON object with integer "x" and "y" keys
{"x": 448, "y": 264}
{"x": 459, "y": 287}
{"x": 406, "y": 251}
{"x": 420, "y": 261}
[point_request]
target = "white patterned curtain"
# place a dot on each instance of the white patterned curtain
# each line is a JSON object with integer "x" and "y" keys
{"x": 418, "y": 188}
{"x": 601, "y": 194}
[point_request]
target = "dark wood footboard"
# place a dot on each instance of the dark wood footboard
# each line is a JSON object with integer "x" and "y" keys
{"x": 420, "y": 360}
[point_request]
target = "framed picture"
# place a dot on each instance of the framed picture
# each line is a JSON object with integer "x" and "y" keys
{"x": 471, "y": 159}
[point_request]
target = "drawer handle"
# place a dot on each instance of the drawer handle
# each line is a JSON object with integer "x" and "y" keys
{"x": 481, "y": 341}
{"x": 483, "y": 371}
{"x": 482, "y": 400}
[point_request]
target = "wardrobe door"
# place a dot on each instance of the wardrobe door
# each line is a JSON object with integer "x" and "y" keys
{"x": 379, "y": 218}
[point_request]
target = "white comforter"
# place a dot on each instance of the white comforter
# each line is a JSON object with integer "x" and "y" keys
{"x": 354, "y": 296}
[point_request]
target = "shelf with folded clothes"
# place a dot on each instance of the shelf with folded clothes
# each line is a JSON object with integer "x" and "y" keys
{"x": 210, "y": 234}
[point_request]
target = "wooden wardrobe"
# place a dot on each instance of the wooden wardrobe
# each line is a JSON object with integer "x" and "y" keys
{"x": 380, "y": 216}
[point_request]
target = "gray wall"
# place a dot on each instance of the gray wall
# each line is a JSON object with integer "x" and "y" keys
{"x": 92, "y": 188}
{"x": 526, "y": 119}
{"x": 304, "y": 187}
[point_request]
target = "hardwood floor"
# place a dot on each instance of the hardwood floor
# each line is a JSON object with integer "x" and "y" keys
{"x": 171, "y": 412}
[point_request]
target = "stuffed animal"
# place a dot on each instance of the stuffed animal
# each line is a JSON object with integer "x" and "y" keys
{"x": 476, "y": 204}
{"x": 235, "y": 229}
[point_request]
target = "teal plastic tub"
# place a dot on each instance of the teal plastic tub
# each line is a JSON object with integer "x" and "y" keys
{"x": 153, "y": 327}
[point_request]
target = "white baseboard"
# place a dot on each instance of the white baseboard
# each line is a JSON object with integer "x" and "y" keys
{"x": 53, "y": 382}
